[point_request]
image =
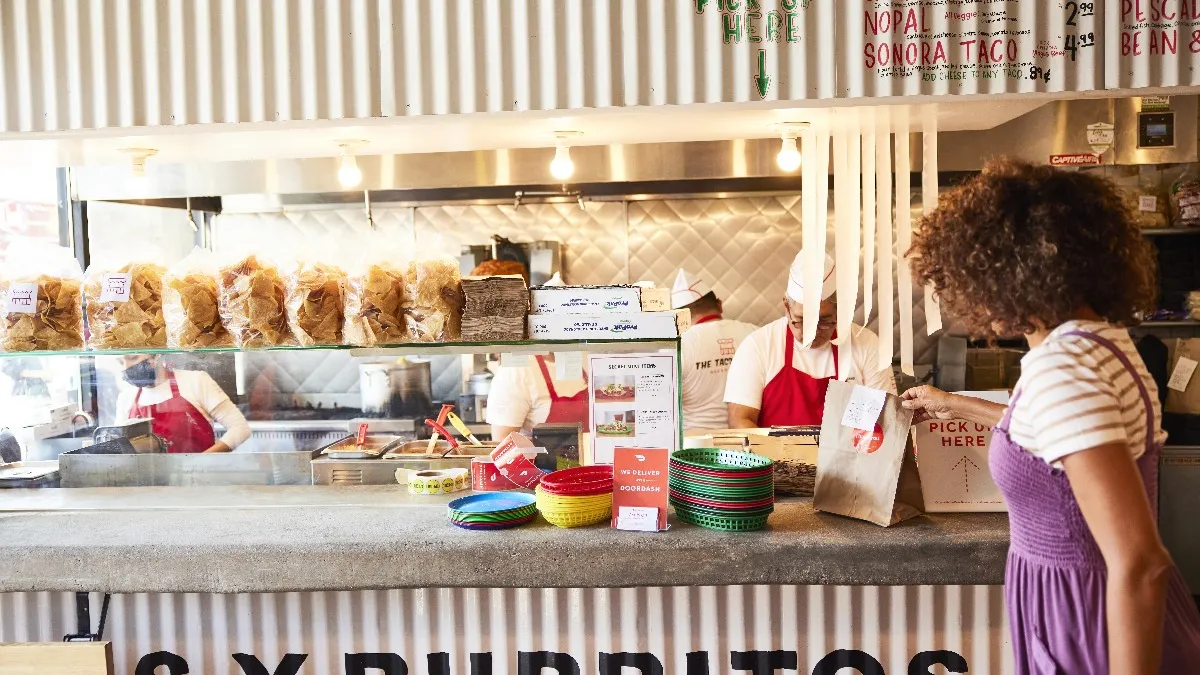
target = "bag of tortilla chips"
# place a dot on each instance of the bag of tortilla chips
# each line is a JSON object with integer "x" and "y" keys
{"x": 190, "y": 304}
{"x": 124, "y": 303}
{"x": 250, "y": 298}
{"x": 315, "y": 289}
{"x": 43, "y": 302}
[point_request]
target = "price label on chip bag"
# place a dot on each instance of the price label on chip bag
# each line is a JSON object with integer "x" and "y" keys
{"x": 22, "y": 298}
{"x": 115, "y": 288}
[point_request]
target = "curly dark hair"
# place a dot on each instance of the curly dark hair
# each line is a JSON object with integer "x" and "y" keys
{"x": 1021, "y": 245}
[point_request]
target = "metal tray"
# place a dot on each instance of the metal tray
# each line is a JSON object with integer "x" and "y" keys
{"x": 376, "y": 445}
{"x": 411, "y": 449}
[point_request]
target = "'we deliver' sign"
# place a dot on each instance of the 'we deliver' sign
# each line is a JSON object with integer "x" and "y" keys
{"x": 952, "y": 458}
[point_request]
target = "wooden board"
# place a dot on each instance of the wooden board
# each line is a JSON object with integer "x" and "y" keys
{"x": 56, "y": 658}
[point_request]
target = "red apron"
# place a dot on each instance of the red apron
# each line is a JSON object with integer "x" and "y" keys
{"x": 176, "y": 420}
{"x": 566, "y": 409}
{"x": 794, "y": 398}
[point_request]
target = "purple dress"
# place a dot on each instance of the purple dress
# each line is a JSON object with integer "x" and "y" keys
{"x": 1054, "y": 583}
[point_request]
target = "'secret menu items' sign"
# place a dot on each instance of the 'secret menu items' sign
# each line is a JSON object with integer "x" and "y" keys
{"x": 907, "y": 47}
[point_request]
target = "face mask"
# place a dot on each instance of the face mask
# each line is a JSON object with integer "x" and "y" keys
{"x": 141, "y": 374}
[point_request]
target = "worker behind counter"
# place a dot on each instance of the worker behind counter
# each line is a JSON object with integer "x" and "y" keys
{"x": 707, "y": 350}
{"x": 775, "y": 381}
{"x": 182, "y": 405}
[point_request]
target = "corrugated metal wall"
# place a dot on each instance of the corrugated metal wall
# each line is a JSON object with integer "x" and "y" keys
{"x": 92, "y": 64}
{"x": 892, "y": 624}
{"x": 84, "y": 64}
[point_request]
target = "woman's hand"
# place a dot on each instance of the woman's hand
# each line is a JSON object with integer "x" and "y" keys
{"x": 928, "y": 403}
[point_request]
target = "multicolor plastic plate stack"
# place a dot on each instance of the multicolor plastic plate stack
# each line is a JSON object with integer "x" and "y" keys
{"x": 576, "y": 497}
{"x": 722, "y": 490}
{"x": 492, "y": 510}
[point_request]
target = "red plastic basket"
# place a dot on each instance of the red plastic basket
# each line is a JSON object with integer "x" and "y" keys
{"x": 579, "y": 481}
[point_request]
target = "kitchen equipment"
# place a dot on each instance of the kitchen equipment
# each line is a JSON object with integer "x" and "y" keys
{"x": 139, "y": 433}
{"x": 440, "y": 449}
{"x": 30, "y": 475}
{"x": 396, "y": 390}
{"x": 373, "y": 445}
{"x": 462, "y": 429}
{"x": 1178, "y": 504}
{"x": 10, "y": 449}
{"x": 561, "y": 442}
{"x": 82, "y": 469}
{"x": 472, "y": 404}
{"x": 541, "y": 258}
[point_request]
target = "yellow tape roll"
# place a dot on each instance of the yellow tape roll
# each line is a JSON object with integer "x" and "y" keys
{"x": 437, "y": 482}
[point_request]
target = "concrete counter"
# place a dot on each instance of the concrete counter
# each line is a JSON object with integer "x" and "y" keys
{"x": 233, "y": 540}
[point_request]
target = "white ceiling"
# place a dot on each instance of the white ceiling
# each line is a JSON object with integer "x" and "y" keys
{"x": 453, "y": 133}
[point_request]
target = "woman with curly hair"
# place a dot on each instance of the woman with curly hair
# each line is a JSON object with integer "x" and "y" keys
{"x": 1056, "y": 257}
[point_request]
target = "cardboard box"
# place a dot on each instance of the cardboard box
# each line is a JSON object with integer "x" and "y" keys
{"x": 656, "y": 300}
{"x": 993, "y": 368}
{"x": 626, "y": 326}
{"x": 585, "y": 300}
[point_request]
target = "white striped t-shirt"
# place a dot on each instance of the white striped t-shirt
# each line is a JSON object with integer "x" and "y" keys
{"x": 1075, "y": 394}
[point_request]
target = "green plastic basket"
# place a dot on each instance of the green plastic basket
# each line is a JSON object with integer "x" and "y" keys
{"x": 714, "y": 511}
{"x": 721, "y": 523}
{"x": 721, "y": 459}
{"x": 736, "y": 494}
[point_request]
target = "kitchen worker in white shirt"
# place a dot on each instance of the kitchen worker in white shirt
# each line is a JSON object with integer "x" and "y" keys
{"x": 707, "y": 350}
{"x": 182, "y": 405}
{"x": 775, "y": 381}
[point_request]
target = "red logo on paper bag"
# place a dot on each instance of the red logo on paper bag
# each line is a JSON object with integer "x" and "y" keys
{"x": 868, "y": 441}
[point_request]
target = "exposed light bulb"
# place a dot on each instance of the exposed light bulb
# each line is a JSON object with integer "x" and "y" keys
{"x": 788, "y": 158}
{"x": 349, "y": 175}
{"x": 561, "y": 167}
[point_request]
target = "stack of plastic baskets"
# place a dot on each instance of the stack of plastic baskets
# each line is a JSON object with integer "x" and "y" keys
{"x": 722, "y": 490}
{"x": 576, "y": 497}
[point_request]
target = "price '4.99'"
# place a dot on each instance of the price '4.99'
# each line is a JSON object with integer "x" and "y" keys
{"x": 1037, "y": 73}
{"x": 1076, "y": 42}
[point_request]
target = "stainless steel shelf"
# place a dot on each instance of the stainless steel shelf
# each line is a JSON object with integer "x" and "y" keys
{"x": 1167, "y": 231}
{"x": 416, "y": 348}
{"x": 1170, "y": 324}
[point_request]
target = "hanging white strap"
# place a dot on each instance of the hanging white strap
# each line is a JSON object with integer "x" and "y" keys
{"x": 929, "y": 199}
{"x": 813, "y": 188}
{"x": 904, "y": 240}
{"x": 868, "y": 212}
{"x": 883, "y": 220}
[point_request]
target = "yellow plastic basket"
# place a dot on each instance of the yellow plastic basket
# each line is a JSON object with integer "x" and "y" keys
{"x": 577, "y": 518}
{"x": 563, "y": 503}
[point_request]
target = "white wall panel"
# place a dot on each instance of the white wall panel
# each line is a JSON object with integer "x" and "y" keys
{"x": 892, "y": 624}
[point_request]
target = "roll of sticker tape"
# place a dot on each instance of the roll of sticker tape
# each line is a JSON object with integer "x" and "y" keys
{"x": 437, "y": 481}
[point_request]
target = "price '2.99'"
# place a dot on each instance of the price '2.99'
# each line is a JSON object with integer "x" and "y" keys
{"x": 1077, "y": 9}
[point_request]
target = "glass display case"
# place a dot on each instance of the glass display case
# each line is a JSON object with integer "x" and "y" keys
{"x": 292, "y": 415}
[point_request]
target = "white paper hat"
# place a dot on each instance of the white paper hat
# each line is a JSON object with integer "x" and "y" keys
{"x": 555, "y": 280}
{"x": 795, "y": 287}
{"x": 687, "y": 290}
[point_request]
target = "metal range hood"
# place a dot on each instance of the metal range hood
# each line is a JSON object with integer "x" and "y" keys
{"x": 1060, "y": 128}
{"x": 1057, "y": 128}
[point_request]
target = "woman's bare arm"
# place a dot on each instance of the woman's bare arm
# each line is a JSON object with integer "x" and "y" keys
{"x": 1108, "y": 486}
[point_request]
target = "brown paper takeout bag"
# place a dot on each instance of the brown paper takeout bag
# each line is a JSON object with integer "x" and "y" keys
{"x": 861, "y": 475}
